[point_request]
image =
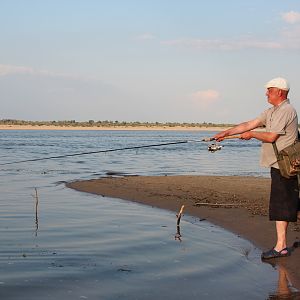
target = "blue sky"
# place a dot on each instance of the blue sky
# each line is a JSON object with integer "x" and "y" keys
{"x": 155, "y": 60}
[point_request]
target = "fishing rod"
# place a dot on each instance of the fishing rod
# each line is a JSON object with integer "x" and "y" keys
{"x": 224, "y": 138}
{"x": 119, "y": 149}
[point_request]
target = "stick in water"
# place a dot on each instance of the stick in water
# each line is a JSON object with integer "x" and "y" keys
{"x": 179, "y": 215}
{"x": 178, "y": 234}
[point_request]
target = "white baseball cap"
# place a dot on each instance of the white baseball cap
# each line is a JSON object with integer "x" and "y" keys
{"x": 279, "y": 83}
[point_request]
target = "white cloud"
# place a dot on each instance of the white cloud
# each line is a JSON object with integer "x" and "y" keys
{"x": 291, "y": 17}
{"x": 219, "y": 44}
{"x": 24, "y": 70}
{"x": 205, "y": 97}
{"x": 285, "y": 39}
{"x": 146, "y": 36}
{"x": 8, "y": 69}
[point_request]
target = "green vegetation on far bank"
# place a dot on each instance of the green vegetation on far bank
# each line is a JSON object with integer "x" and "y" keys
{"x": 106, "y": 123}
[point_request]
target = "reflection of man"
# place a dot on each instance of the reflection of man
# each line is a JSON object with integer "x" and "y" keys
{"x": 285, "y": 289}
{"x": 281, "y": 124}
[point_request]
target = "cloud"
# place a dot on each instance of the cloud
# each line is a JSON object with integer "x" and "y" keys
{"x": 287, "y": 38}
{"x": 8, "y": 69}
{"x": 205, "y": 98}
{"x": 146, "y": 36}
{"x": 24, "y": 70}
{"x": 219, "y": 44}
{"x": 291, "y": 17}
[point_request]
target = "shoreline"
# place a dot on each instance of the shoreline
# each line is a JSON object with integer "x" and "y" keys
{"x": 237, "y": 204}
{"x": 95, "y": 128}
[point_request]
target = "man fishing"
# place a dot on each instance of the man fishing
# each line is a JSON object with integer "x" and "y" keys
{"x": 281, "y": 124}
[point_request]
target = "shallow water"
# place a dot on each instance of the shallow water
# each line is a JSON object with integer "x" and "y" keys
{"x": 81, "y": 246}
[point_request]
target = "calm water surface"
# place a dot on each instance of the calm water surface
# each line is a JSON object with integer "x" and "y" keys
{"x": 81, "y": 246}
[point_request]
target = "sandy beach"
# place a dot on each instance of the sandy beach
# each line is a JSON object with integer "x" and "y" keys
{"x": 238, "y": 204}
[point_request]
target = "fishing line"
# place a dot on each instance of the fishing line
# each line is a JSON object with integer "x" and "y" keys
{"x": 98, "y": 151}
{"x": 125, "y": 148}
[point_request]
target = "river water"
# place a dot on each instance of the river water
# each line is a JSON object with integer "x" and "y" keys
{"x": 79, "y": 246}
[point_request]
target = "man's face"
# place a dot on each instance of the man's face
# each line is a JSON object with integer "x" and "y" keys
{"x": 273, "y": 95}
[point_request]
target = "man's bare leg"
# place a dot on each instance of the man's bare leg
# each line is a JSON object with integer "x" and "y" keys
{"x": 281, "y": 229}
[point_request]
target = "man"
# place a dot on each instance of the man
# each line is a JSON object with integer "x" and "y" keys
{"x": 281, "y": 124}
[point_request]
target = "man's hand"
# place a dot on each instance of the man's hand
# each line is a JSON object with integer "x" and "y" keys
{"x": 246, "y": 135}
{"x": 220, "y": 136}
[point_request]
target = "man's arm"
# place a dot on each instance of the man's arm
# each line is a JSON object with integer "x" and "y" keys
{"x": 241, "y": 128}
{"x": 267, "y": 137}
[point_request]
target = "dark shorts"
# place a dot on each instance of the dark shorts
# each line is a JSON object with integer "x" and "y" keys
{"x": 284, "y": 198}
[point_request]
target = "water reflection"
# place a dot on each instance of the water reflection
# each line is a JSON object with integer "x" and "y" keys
{"x": 36, "y": 211}
{"x": 178, "y": 234}
{"x": 285, "y": 290}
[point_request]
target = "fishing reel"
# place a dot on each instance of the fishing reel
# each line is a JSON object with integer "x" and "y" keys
{"x": 214, "y": 147}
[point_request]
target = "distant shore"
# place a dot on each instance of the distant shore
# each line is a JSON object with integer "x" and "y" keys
{"x": 134, "y": 128}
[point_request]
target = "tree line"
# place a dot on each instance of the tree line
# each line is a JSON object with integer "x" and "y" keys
{"x": 107, "y": 123}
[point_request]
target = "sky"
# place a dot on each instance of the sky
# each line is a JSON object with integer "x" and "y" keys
{"x": 145, "y": 60}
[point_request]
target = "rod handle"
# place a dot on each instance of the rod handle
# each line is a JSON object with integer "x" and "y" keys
{"x": 224, "y": 138}
{"x": 232, "y": 137}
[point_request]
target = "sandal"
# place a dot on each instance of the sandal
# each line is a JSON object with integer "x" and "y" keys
{"x": 275, "y": 254}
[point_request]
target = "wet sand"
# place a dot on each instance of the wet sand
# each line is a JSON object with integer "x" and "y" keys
{"x": 238, "y": 204}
